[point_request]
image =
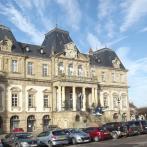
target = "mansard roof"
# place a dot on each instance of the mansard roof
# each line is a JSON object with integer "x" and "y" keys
{"x": 6, "y": 32}
{"x": 104, "y": 57}
{"x": 56, "y": 39}
{"x": 54, "y": 42}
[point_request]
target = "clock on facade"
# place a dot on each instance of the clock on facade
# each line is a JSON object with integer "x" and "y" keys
{"x": 71, "y": 50}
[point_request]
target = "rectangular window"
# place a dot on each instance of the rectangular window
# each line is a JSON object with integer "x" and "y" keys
{"x": 14, "y": 99}
{"x": 46, "y": 101}
{"x": 30, "y": 68}
{"x": 44, "y": 70}
{"x": 14, "y": 65}
{"x": 30, "y": 101}
{"x": 103, "y": 77}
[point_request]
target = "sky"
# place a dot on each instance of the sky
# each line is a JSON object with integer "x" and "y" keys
{"x": 117, "y": 24}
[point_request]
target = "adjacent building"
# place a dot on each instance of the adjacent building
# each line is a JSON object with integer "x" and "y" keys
{"x": 52, "y": 83}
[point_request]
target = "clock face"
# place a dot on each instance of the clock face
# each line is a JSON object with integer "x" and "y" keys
{"x": 71, "y": 50}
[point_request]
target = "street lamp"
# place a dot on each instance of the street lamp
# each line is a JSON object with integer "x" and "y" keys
{"x": 118, "y": 101}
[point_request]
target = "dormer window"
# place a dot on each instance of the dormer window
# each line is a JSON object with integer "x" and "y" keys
{"x": 27, "y": 49}
{"x": 41, "y": 51}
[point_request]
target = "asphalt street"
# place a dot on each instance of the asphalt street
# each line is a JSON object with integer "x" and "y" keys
{"x": 134, "y": 141}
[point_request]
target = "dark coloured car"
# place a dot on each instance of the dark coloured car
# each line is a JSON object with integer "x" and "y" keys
{"x": 133, "y": 128}
{"x": 19, "y": 140}
{"x": 97, "y": 133}
{"x": 117, "y": 129}
{"x": 1, "y": 144}
{"x": 141, "y": 125}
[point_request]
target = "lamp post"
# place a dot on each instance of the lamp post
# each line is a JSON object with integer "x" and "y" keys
{"x": 118, "y": 101}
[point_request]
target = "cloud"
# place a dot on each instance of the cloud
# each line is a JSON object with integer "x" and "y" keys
{"x": 21, "y": 22}
{"x": 144, "y": 29}
{"x": 136, "y": 76}
{"x": 105, "y": 10}
{"x": 72, "y": 11}
{"x": 94, "y": 41}
{"x": 27, "y": 6}
{"x": 134, "y": 11}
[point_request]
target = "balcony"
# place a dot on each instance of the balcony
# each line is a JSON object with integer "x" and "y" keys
{"x": 63, "y": 77}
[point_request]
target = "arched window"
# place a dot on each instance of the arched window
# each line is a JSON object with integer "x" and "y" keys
{"x": 105, "y": 99}
{"x": 124, "y": 100}
{"x": 115, "y": 100}
{"x": 31, "y": 123}
{"x": 46, "y": 119}
{"x": 60, "y": 68}
{"x": 70, "y": 69}
{"x": 80, "y": 71}
{"x": 14, "y": 122}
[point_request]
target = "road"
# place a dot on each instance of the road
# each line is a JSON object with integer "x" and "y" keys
{"x": 134, "y": 141}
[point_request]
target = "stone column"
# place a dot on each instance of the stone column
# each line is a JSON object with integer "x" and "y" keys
{"x": 74, "y": 98}
{"x": 96, "y": 96}
{"x": 63, "y": 98}
{"x": 84, "y": 99}
{"x": 93, "y": 95}
{"x": 59, "y": 99}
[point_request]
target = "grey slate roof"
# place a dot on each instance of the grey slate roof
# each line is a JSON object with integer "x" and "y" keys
{"x": 55, "y": 40}
{"x": 104, "y": 57}
{"x": 5, "y": 31}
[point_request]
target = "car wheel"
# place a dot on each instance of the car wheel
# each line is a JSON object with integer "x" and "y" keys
{"x": 96, "y": 139}
{"x": 17, "y": 145}
{"x": 50, "y": 144}
{"x": 74, "y": 141}
{"x": 114, "y": 135}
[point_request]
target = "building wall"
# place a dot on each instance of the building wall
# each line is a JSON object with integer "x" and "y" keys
{"x": 91, "y": 77}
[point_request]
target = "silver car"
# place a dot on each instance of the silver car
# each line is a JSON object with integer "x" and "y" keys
{"x": 77, "y": 136}
{"x": 52, "y": 138}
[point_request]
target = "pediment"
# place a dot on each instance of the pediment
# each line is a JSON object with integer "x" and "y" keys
{"x": 32, "y": 90}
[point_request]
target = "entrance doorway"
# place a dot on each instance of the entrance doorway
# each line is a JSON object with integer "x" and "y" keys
{"x": 46, "y": 119}
{"x": 31, "y": 123}
{"x": 14, "y": 122}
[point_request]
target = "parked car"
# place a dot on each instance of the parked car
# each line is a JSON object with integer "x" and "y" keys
{"x": 97, "y": 133}
{"x": 1, "y": 144}
{"x": 133, "y": 128}
{"x": 52, "y": 138}
{"x": 22, "y": 139}
{"x": 77, "y": 136}
{"x": 18, "y": 130}
{"x": 117, "y": 129}
{"x": 140, "y": 124}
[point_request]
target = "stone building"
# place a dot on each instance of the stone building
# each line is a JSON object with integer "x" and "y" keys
{"x": 51, "y": 83}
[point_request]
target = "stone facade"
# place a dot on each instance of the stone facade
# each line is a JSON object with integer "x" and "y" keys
{"x": 38, "y": 91}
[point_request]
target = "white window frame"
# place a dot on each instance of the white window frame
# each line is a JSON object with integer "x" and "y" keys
{"x": 14, "y": 99}
{"x": 30, "y": 68}
{"x": 46, "y": 101}
{"x": 44, "y": 70}
{"x": 14, "y": 66}
{"x": 30, "y": 100}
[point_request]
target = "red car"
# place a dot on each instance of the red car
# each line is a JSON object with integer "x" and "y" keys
{"x": 15, "y": 130}
{"x": 97, "y": 133}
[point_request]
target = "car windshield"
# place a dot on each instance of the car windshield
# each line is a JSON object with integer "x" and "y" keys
{"x": 23, "y": 135}
{"x": 58, "y": 133}
{"x": 75, "y": 131}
